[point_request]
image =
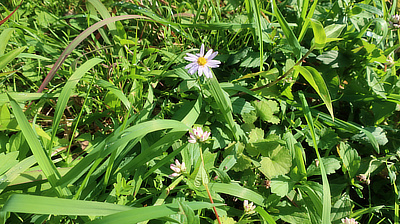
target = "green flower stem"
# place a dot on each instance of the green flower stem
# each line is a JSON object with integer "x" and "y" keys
{"x": 208, "y": 190}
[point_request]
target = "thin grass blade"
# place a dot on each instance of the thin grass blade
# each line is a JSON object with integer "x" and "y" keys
{"x": 326, "y": 199}
{"x": 38, "y": 151}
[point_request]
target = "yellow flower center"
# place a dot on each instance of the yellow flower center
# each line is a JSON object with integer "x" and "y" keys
{"x": 202, "y": 61}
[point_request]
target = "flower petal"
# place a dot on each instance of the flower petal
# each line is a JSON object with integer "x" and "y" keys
{"x": 194, "y": 68}
{"x": 200, "y": 70}
{"x": 209, "y": 53}
{"x": 213, "y": 63}
{"x": 213, "y": 55}
{"x": 207, "y": 72}
{"x": 202, "y": 50}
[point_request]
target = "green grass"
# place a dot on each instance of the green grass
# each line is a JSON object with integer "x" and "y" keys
{"x": 96, "y": 103}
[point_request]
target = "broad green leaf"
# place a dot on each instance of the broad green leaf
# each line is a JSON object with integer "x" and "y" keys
{"x": 277, "y": 163}
{"x": 350, "y": 158}
{"x": 266, "y": 110}
{"x": 317, "y": 82}
{"x": 281, "y": 185}
{"x": 378, "y": 133}
{"x": 5, "y": 118}
{"x": 263, "y": 146}
{"x": 241, "y": 106}
{"x": 319, "y": 34}
{"x": 190, "y": 217}
{"x": 201, "y": 177}
{"x": 334, "y": 30}
{"x": 342, "y": 208}
{"x": 331, "y": 165}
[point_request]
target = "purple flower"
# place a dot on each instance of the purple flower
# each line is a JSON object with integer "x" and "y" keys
{"x": 202, "y": 63}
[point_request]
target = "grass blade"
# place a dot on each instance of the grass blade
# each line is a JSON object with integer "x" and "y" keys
{"x": 287, "y": 31}
{"x": 38, "y": 151}
{"x": 47, "y": 205}
{"x": 237, "y": 191}
{"x": 150, "y": 212}
{"x": 326, "y": 200}
{"x": 77, "y": 41}
{"x": 317, "y": 82}
{"x": 66, "y": 93}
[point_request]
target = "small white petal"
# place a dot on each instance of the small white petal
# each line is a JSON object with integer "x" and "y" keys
{"x": 200, "y": 70}
{"x": 213, "y": 63}
{"x": 191, "y": 58}
{"x": 188, "y": 66}
{"x": 194, "y": 68}
{"x": 207, "y": 72}
{"x": 202, "y": 50}
{"x": 213, "y": 55}
{"x": 209, "y": 53}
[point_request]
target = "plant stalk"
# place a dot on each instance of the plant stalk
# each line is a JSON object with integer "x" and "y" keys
{"x": 208, "y": 190}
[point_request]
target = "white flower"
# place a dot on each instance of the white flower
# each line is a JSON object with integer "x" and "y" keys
{"x": 248, "y": 208}
{"x": 198, "y": 135}
{"x": 349, "y": 221}
{"x": 202, "y": 63}
{"x": 394, "y": 21}
{"x": 178, "y": 168}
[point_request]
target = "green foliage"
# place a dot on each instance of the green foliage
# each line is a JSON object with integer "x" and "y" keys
{"x": 96, "y": 104}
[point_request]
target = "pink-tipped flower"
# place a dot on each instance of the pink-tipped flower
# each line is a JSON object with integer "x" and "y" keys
{"x": 349, "y": 221}
{"x": 202, "y": 63}
{"x": 394, "y": 21}
{"x": 178, "y": 168}
{"x": 198, "y": 135}
{"x": 248, "y": 208}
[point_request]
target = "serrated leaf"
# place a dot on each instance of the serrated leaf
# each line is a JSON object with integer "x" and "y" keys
{"x": 326, "y": 138}
{"x": 331, "y": 165}
{"x": 266, "y": 109}
{"x": 264, "y": 146}
{"x": 201, "y": 177}
{"x": 277, "y": 163}
{"x": 256, "y": 135}
{"x": 281, "y": 185}
{"x": 242, "y": 163}
{"x": 377, "y": 132}
{"x": 250, "y": 117}
{"x": 350, "y": 158}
